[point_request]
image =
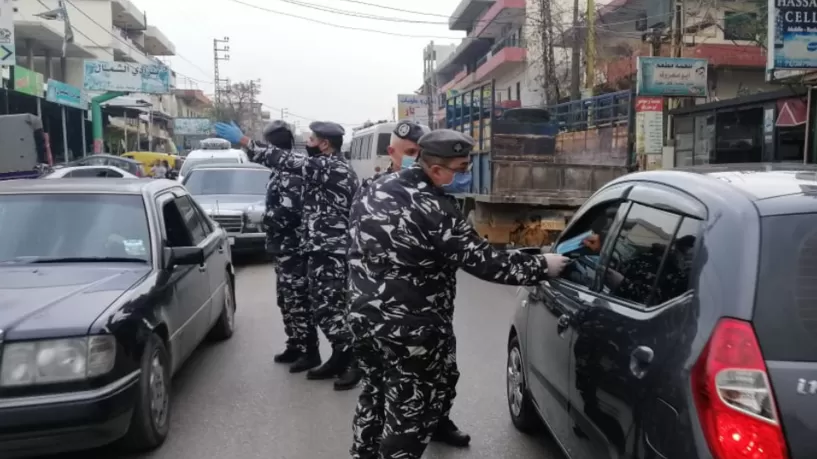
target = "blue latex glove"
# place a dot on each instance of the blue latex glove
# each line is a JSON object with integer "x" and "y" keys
{"x": 229, "y": 132}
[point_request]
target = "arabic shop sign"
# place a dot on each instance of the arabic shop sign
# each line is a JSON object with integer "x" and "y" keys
{"x": 412, "y": 107}
{"x": 65, "y": 94}
{"x": 792, "y": 34}
{"x": 672, "y": 76}
{"x": 192, "y": 126}
{"x": 28, "y": 81}
{"x": 122, "y": 76}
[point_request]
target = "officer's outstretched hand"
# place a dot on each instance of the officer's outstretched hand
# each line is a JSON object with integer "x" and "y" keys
{"x": 231, "y": 132}
{"x": 556, "y": 263}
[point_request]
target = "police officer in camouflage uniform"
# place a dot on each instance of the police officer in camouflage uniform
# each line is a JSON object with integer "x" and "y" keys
{"x": 402, "y": 149}
{"x": 408, "y": 239}
{"x": 327, "y": 205}
{"x": 285, "y": 238}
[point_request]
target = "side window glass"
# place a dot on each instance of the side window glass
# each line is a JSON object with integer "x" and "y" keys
{"x": 113, "y": 173}
{"x": 175, "y": 228}
{"x": 674, "y": 278}
{"x": 637, "y": 253}
{"x": 584, "y": 241}
{"x": 205, "y": 220}
{"x": 191, "y": 220}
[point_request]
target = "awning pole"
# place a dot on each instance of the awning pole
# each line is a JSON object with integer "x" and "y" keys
{"x": 64, "y": 135}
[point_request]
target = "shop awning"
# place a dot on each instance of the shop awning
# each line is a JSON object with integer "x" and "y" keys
{"x": 791, "y": 112}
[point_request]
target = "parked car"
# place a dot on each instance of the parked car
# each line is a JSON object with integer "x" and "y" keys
{"x": 233, "y": 195}
{"x": 685, "y": 325}
{"x": 89, "y": 171}
{"x": 131, "y": 165}
{"x": 106, "y": 287}
{"x": 148, "y": 158}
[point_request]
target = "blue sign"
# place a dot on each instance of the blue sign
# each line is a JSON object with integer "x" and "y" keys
{"x": 672, "y": 76}
{"x": 126, "y": 77}
{"x": 792, "y": 34}
{"x": 65, "y": 94}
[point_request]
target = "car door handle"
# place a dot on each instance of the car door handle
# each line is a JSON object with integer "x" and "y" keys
{"x": 221, "y": 247}
{"x": 203, "y": 267}
{"x": 640, "y": 360}
{"x": 562, "y": 323}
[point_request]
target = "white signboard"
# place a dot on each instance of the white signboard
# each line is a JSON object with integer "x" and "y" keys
{"x": 649, "y": 125}
{"x": 412, "y": 107}
{"x": 192, "y": 126}
{"x": 126, "y": 77}
{"x": 8, "y": 56}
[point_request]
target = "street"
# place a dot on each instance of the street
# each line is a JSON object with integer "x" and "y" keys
{"x": 231, "y": 401}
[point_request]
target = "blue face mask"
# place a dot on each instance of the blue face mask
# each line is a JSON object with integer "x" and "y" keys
{"x": 461, "y": 183}
{"x": 407, "y": 162}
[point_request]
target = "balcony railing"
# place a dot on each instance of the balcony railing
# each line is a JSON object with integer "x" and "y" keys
{"x": 512, "y": 41}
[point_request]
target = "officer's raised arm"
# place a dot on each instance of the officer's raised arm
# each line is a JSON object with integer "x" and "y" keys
{"x": 445, "y": 158}
{"x": 266, "y": 154}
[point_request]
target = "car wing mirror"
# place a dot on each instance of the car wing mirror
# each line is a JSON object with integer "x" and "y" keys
{"x": 183, "y": 256}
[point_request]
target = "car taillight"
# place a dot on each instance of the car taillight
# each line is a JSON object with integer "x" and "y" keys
{"x": 734, "y": 397}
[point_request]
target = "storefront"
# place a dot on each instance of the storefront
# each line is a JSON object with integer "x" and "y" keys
{"x": 764, "y": 127}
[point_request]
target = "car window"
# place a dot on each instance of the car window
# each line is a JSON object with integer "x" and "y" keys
{"x": 56, "y": 226}
{"x": 584, "y": 240}
{"x": 175, "y": 227}
{"x": 191, "y": 162}
{"x": 192, "y": 220}
{"x": 227, "y": 181}
{"x": 113, "y": 174}
{"x": 89, "y": 172}
{"x": 206, "y": 223}
{"x": 673, "y": 280}
{"x": 637, "y": 253}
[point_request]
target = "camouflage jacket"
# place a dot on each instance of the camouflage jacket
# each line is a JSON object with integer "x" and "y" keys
{"x": 328, "y": 185}
{"x": 282, "y": 217}
{"x": 408, "y": 239}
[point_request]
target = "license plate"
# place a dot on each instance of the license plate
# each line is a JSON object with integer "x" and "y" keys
{"x": 232, "y": 241}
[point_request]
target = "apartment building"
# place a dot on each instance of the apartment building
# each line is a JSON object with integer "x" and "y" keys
{"x": 493, "y": 50}
{"x": 112, "y": 30}
{"x": 724, "y": 32}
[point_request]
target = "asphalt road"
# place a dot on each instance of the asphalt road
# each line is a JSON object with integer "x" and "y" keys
{"x": 231, "y": 401}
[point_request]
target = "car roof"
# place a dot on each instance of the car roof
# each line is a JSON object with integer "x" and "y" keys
{"x": 87, "y": 186}
{"x": 214, "y": 153}
{"x": 101, "y": 166}
{"x": 250, "y": 166}
{"x": 103, "y": 155}
{"x": 770, "y": 186}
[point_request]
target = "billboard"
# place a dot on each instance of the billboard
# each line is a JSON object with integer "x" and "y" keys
{"x": 192, "y": 126}
{"x": 792, "y": 35}
{"x": 65, "y": 94}
{"x": 412, "y": 107}
{"x": 7, "y": 50}
{"x": 126, "y": 77}
{"x": 28, "y": 81}
{"x": 672, "y": 76}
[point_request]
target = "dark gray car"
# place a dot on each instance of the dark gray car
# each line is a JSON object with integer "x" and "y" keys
{"x": 233, "y": 195}
{"x": 686, "y": 324}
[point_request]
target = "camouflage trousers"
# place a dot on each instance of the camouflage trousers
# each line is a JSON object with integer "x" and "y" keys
{"x": 293, "y": 299}
{"x": 406, "y": 391}
{"x": 328, "y": 296}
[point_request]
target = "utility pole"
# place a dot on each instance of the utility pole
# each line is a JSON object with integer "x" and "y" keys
{"x": 255, "y": 88}
{"x": 217, "y": 81}
{"x": 430, "y": 80}
{"x": 591, "y": 46}
{"x": 284, "y": 113}
{"x": 576, "y": 58}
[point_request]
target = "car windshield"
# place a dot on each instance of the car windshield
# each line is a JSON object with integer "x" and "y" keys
{"x": 73, "y": 228}
{"x": 191, "y": 162}
{"x": 227, "y": 181}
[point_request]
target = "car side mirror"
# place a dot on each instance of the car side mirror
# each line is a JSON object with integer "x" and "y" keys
{"x": 183, "y": 256}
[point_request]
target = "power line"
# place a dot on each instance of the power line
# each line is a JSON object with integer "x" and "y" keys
{"x": 360, "y": 29}
{"x": 398, "y": 9}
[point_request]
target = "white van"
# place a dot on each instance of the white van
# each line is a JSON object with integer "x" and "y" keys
{"x": 212, "y": 151}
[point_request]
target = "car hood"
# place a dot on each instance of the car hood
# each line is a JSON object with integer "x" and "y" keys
{"x": 216, "y": 203}
{"x": 60, "y": 300}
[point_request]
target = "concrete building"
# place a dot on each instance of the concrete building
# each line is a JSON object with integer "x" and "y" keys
{"x": 112, "y": 30}
{"x": 725, "y": 34}
{"x": 493, "y": 50}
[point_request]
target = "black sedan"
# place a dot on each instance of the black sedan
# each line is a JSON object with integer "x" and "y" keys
{"x": 233, "y": 196}
{"x": 106, "y": 287}
{"x": 684, "y": 326}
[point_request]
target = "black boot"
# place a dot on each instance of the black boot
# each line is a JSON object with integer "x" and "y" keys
{"x": 447, "y": 432}
{"x": 349, "y": 379}
{"x": 333, "y": 367}
{"x": 310, "y": 359}
{"x": 290, "y": 355}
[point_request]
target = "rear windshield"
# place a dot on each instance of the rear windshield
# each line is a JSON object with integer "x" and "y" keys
{"x": 190, "y": 163}
{"x": 786, "y": 303}
{"x": 227, "y": 181}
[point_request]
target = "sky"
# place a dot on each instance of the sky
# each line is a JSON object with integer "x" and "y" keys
{"x": 313, "y": 70}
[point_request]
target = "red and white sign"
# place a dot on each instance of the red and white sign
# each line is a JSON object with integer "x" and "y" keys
{"x": 649, "y": 125}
